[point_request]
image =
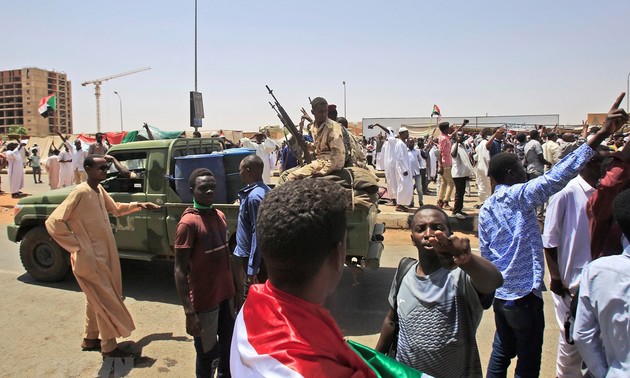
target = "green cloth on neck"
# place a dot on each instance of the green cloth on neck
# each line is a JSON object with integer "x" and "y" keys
{"x": 200, "y": 207}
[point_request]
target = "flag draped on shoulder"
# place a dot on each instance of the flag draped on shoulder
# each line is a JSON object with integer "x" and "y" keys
{"x": 436, "y": 111}
{"x": 47, "y": 105}
{"x": 279, "y": 335}
{"x": 384, "y": 366}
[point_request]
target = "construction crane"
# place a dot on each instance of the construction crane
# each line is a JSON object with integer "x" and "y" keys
{"x": 97, "y": 91}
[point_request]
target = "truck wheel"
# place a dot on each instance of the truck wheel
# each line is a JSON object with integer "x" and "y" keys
{"x": 42, "y": 257}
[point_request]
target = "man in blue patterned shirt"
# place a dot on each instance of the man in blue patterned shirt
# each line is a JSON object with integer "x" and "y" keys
{"x": 510, "y": 238}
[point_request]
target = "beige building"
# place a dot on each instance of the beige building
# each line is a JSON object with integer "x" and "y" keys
{"x": 21, "y": 91}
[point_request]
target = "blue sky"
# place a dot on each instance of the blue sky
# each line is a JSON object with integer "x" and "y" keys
{"x": 398, "y": 58}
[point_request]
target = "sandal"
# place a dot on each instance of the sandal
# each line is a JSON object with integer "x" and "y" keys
{"x": 89, "y": 345}
{"x": 117, "y": 353}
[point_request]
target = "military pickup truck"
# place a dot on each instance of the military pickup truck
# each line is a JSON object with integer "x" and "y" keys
{"x": 150, "y": 235}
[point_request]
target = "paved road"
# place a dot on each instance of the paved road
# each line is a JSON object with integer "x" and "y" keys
{"x": 41, "y": 323}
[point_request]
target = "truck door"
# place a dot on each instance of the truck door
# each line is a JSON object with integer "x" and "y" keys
{"x": 130, "y": 231}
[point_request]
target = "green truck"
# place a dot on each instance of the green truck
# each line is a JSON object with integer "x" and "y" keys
{"x": 150, "y": 235}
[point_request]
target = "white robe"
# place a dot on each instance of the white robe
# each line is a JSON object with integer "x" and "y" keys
{"x": 263, "y": 151}
{"x": 389, "y": 166}
{"x": 16, "y": 170}
{"x": 380, "y": 161}
{"x": 65, "y": 169}
{"x": 404, "y": 186}
{"x": 52, "y": 167}
{"x": 433, "y": 153}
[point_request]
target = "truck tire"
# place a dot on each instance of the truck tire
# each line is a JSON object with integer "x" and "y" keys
{"x": 42, "y": 257}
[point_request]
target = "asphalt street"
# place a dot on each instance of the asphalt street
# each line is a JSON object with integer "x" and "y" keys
{"x": 42, "y": 323}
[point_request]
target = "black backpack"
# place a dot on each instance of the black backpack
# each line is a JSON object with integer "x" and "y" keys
{"x": 403, "y": 267}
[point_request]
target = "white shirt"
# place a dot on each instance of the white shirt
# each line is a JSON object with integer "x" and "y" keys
{"x": 78, "y": 157}
{"x": 482, "y": 155}
{"x": 414, "y": 162}
{"x": 567, "y": 228}
{"x": 461, "y": 163}
{"x": 421, "y": 160}
{"x": 263, "y": 150}
{"x": 602, "y": 324}
{"x": 532, "y": 150}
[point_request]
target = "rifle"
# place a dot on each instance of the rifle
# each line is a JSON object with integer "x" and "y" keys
{"x": 291, "y": 143}
{"x": 288, "y": 123}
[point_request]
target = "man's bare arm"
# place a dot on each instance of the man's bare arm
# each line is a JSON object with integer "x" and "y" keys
{"x": 182, "y": 264}
{"x": 388, "y": 329}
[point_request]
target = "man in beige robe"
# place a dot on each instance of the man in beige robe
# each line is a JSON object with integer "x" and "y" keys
{"x": 81, "y": 226}
{"x": 52, "y": 167}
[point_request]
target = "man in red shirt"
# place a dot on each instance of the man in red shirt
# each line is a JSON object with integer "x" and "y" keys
{"x": 445, "y": 164}
{"x": 605, "y": 232}
{"x": 203, "y": 277}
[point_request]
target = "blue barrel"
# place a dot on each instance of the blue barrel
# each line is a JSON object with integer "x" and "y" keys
{"x": 232, "y": 158}
{"x": 185, "y": 165}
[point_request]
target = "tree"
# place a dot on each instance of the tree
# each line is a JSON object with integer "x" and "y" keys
{"x": 20, "y": 130}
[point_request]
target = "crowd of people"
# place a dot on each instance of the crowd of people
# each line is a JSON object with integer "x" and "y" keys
{"x": 258, "y": 309}
{"x": 64, "y": 164}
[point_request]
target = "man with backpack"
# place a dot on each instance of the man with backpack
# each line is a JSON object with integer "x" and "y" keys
{"x": 438, "y": 300}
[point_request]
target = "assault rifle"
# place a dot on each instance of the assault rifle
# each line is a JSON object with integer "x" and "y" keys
{"x": 297, "y": 143}
{"x": 290, "y": 142}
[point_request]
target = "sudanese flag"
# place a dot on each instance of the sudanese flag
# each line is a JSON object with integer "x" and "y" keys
{"x": 280, "y": 335}
{"x": 47, "y": 105}
{"x": 436, "y": 111}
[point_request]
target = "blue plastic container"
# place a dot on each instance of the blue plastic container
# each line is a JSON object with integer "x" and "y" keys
{"x": 232, "y": 158}
{"x": 185, "y": 165}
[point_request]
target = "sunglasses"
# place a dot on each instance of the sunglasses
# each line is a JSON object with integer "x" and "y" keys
{"x": 105, "y": 167}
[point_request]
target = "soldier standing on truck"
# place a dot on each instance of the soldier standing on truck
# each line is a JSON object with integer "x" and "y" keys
{"x": 81, "y": 226}
{"x": 204, "y": 278}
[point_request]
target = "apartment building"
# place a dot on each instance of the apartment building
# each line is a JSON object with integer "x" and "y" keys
{"x": 20, "y": 93}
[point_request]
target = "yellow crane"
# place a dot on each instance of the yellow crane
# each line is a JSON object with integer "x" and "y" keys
{"x": 97, "y": 91}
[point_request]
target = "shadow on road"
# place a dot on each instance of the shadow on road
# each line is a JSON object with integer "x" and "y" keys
{"x": 360, "y": 306}
{"x": 113, "y": 367}
{"x": 142, "y": 281}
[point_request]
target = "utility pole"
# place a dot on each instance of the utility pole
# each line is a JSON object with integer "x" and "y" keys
{"x": 344, "y": 100}
{"x": 121, "y": 117}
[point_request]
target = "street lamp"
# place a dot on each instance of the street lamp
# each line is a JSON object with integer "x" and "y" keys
{"x": 344, "y": 100}
{"x": 121, "y": 117}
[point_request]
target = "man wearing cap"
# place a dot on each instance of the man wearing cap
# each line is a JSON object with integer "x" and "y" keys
{"x": 398, "y": 169}
{"x": 330, "y": 152}
{"x": 15, "y": 168}
{"x": 217, "y": 141}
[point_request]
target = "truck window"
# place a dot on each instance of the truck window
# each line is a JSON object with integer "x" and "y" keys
{"x": 135, "y": 181}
